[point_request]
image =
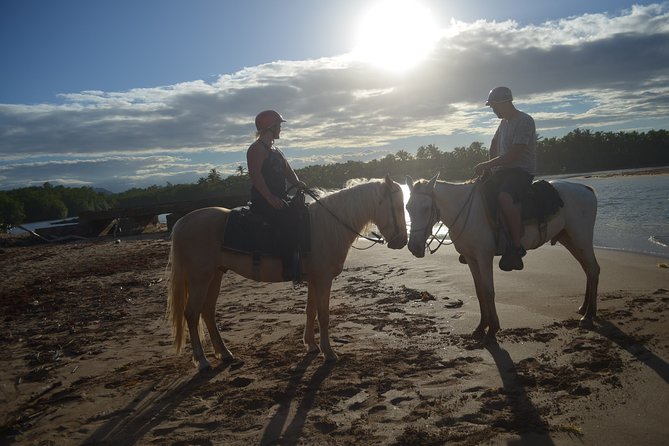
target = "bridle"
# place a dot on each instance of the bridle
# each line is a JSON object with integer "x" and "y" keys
{"x": 388, "y": 192}
{"x": 435, "y": 217}
{"x": 378, "y": 240}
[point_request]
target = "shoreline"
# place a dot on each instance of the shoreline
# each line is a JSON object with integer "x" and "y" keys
{"x": 662, "y": 170}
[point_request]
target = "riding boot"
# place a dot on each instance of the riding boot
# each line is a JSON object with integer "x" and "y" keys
{"x": 512, "y": 259}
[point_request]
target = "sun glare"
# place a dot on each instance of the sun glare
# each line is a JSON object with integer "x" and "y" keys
{"x": 395, "y": 34}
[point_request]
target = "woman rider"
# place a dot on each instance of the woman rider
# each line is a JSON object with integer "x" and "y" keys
{"x": 269, "y": 171}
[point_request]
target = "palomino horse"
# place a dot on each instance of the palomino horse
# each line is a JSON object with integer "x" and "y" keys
{"x": 198, "y": 262}
{"x": 461, "y": 208}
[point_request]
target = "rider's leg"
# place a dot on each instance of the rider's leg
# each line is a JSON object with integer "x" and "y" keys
{"x": 512, "y": 214}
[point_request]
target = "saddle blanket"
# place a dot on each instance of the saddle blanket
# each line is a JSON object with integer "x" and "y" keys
{"x": 249, "y": 233}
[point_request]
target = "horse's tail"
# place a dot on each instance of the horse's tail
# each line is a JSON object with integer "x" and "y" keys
{"x": 177, "y": 295}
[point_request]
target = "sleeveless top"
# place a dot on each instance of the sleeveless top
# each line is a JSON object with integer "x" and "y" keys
{"x": 274, "y": 173}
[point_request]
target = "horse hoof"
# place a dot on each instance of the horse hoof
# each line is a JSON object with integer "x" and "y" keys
{"x": 311, "y": 349}
{"x": 228, "y": 359}
{"x": 332, "y": 357}
{"x": 586, "y": 322}
{"x": 225, "y": 357}
{"x": 204, "y": 367}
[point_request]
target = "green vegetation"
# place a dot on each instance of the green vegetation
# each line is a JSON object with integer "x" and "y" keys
{"x": 578, "y": 151}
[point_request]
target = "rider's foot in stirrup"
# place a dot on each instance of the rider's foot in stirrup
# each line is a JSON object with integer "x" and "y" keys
{"x": 462, "y": 259}
{"x": 512, "y": 259}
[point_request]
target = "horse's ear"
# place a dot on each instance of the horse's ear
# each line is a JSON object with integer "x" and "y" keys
{"x": 409, "y": 182}
{"x": 389, "y": 181}
{"x": 433, "y": 181}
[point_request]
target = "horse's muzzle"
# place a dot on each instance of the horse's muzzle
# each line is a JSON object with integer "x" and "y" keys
{"x": 417, "y": 249}
{"x": 397, "y": 242}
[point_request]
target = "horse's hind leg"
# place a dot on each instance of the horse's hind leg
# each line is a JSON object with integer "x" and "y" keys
{"x": 197, "y": 297}
{"x": 209, "y": 317}
{"x": 585, "y": 254}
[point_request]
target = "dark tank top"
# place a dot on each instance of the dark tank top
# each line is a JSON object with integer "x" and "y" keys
{"x": 274, "y": 173}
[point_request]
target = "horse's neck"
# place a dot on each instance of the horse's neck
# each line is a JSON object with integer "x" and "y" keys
{"x": 346, "y": 211}
{"x": 451, "y": 199}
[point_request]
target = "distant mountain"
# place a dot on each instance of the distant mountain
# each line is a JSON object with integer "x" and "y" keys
{"x": 103, "y": 191}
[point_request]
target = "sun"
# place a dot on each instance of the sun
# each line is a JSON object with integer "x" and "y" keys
{"x": 395, "y": 34}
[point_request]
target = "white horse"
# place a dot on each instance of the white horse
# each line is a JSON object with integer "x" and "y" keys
{"x": 198, "y": 263}
{"x": 461, "y": 208}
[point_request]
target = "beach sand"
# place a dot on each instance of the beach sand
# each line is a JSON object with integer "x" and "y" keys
{"x": 88, "y": 356}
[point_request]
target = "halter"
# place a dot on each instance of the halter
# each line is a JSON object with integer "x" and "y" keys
{"x": 378, "y": 240}
{"x": 435, "y": 216}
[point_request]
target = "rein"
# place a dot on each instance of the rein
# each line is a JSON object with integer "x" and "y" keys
{"x": 378, "y": 240}
{"x": 435, "y": 216}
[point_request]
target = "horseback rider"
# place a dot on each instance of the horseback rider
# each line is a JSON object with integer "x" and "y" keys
{"x": 512, "y": 165}
{"x": 269, "y": 171}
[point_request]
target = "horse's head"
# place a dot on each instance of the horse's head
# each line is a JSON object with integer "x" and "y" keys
{"x": 423, "y": 213}
{"x": 390, "y": 215}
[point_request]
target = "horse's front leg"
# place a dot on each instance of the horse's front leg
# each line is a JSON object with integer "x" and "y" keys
{"x": 481, "y": 269}
{"x": 321, "y": 296}
{"x": 309, "y": 339}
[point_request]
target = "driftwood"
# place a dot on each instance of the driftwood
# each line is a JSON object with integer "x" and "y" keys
{"x": 52, "y": 240}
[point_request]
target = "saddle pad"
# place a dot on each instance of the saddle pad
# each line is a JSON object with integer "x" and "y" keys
{"x": 249, "y": 233}
{"x": 542, "y": 201}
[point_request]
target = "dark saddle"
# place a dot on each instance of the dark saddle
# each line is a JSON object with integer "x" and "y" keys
{"x": 249, "y": 233}
{"x": 540, "y": 203}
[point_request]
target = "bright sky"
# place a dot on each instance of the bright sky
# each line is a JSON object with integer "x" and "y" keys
{"x": 128, "y": 93}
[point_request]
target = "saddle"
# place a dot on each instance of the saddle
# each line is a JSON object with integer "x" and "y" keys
{"x": 249, "y": 233}
{"x": 540, "y": 203}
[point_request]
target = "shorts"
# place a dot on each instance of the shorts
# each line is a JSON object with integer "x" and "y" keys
{"x": 514, "y": 181}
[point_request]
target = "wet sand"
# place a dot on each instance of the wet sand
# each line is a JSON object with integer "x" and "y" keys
{"x": 88, "y": 357}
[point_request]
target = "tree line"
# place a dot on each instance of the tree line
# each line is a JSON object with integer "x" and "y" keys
{"x": 578, "y": 151}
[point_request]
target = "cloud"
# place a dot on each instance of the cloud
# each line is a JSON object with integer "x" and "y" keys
{"x": 594, "y": 70}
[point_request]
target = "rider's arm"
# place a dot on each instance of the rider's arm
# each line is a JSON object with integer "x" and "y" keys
{"x": 508, "y": 159}
{"x": 292, "y": 178}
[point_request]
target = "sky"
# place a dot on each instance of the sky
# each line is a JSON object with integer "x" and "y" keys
{"x": 125, "y": 93}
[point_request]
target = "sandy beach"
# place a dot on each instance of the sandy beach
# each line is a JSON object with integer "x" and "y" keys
{"x": 89, "y": 360}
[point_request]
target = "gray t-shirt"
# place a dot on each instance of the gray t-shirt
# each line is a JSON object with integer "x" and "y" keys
{"x": 519, "y": 130}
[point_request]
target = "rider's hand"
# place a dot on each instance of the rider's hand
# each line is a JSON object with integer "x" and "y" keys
{"x": 301, "y": 185}
{"x": 276, "y": 202}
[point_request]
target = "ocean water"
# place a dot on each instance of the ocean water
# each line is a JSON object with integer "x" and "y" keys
{"x": 632, "y": 214}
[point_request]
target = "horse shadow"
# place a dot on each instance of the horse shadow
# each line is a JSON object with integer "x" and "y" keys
{"x": 273, "y": 431}
{"x": 523, "y": 409}
{"x": 625, "y": 341}
{"x": 145, "y": 411}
